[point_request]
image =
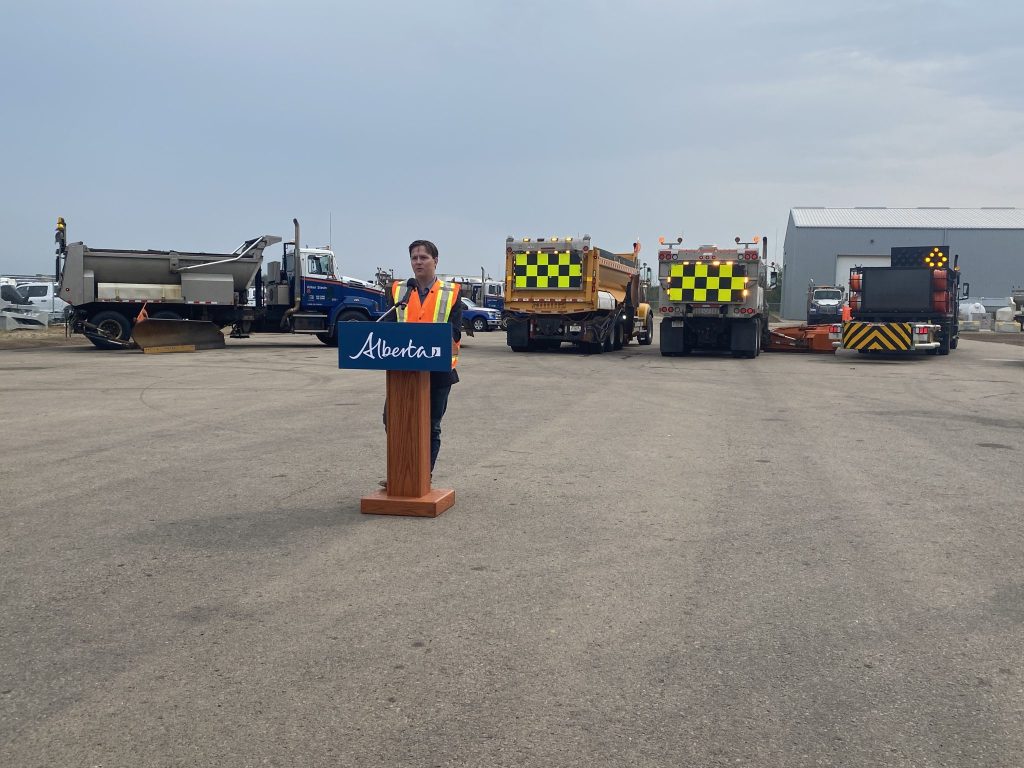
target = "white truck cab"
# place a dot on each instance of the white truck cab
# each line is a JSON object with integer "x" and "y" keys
{"x": 43, "y": 296}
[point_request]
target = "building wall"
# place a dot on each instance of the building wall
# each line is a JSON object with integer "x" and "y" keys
{"x": 991, "y": 260}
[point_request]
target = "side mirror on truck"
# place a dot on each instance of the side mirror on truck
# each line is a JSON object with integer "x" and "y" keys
{"x": 773, "y": 278}
{"x": 965, "y": 290}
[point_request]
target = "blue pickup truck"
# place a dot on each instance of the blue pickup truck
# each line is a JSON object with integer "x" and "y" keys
{"x": 479, "y": 318}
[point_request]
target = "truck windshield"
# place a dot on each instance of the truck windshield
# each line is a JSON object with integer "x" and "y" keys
{"x": 828, "y": 294}
{"x": 318, "y": 265}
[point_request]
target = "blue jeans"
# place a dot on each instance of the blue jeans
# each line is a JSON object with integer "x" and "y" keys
{"x": 438, "y": 405}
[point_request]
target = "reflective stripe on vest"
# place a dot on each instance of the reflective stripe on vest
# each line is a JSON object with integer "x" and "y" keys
{"x": 437, "y": 307}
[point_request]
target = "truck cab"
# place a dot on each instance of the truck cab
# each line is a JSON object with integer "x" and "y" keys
{"x": 824, "y": 304}
{"x": 44, "y": 296}
{"x": 316, "y": 299}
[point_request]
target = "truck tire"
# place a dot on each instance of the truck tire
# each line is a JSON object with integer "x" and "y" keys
{"x": 618, "y": 334}
{"x": 648, "y": 337}
{"x": 114, "y": 324}
{"x": 330, "y": 338}
{"x": 945, "y": 340}
{"x": 752, "y": 331}
{"x": 479, "y": 324}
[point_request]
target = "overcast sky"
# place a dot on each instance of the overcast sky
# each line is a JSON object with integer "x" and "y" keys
{"x": 198, "y": 123}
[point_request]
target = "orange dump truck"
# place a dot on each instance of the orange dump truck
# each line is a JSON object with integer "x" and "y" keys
{"x": 566, "y": 290}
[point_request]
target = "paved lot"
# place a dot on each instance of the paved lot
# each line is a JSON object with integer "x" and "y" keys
{"x": 789, "y": 561}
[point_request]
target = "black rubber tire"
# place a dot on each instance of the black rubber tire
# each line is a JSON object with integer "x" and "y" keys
{"x": 114, "y": 323}
{"x": 618, "y": 334}
{"x": 353, "y": 316}
{"x": 479, "y": 324}
{"x": 648, "y": 337}
{"x": 503, "y": 323}
{"x": 520, "y": 349}
{"x": 330, "y": 338}
{"x": 944, "y": 341}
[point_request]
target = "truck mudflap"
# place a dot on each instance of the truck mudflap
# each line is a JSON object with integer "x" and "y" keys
{"x": 885, "y": 337}
{"x": 159, "y": 335}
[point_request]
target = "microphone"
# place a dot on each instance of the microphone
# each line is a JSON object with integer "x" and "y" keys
{"x": 404, "y": 301}
{"x": 410, "y": 286}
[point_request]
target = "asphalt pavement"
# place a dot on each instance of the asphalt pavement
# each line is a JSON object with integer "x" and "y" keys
{"x": 798, "y": 560}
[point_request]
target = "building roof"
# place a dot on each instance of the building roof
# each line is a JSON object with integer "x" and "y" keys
{"x": 909, "y": 218}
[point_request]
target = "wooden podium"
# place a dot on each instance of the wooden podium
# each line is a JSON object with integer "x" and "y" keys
{"x": 408, "y": 352}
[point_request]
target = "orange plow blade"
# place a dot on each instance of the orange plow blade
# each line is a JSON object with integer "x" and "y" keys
{"x": 176, "y": 335}
{"x": 800, "y": 338}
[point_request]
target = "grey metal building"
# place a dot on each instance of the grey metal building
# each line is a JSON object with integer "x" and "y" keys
{"x": 823, "y": 243}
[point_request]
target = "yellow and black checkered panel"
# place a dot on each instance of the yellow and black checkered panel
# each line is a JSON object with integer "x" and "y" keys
{"x": 562, "y": 270}
{"x": 707, "y": 281}
{"x": 884, "y": 337}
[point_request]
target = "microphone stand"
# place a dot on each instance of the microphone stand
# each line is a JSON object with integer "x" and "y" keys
{"x": 403, "y": 302}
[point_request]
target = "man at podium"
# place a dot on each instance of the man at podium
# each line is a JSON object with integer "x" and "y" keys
{"x": 425, "y": 299}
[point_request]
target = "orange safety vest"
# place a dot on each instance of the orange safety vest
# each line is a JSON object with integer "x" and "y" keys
{"x": 437, "y": 307}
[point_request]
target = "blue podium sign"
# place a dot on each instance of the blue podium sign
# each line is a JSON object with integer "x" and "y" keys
{"x": 395, "y": 346}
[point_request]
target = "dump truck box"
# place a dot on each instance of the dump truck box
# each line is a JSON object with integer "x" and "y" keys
{"x": 567, "y": 290}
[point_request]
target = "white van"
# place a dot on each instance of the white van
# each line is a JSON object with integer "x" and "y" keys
{"x": 44, "y": 297}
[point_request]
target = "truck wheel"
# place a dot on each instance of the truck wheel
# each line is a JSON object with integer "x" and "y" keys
{"x": 945, "y": 336}
{"x": 330, "y": 338}
{"x": 648, "y": 337}
{"x": 113, "y": 324}
{"x": 618, "y": 336}
{"x": 503, "y": 323}
{"x": 479, "y": 324}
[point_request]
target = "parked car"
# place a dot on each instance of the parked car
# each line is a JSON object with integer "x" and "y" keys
{"x": 479, "y": 318}
{"x": 44, "y": 296}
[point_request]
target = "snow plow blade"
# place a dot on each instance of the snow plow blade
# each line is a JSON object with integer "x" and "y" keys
{"x": 801, "y": 338}
{"x": 153, "y": 336}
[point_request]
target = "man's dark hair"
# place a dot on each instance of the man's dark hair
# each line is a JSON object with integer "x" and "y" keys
{"x": 431, "y": 248}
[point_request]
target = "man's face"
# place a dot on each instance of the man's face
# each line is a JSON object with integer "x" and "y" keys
{"x": 423, "y": 264}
